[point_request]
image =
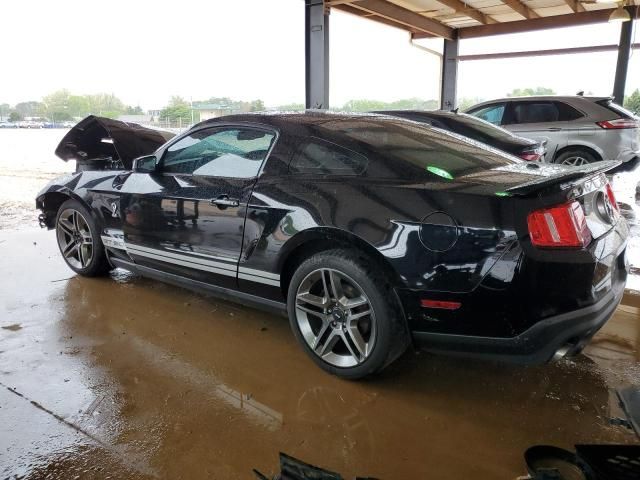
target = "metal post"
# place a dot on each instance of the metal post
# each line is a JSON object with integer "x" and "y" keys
{"x": 624, "y": 50}
{"x": 316, "y": 34}
{"x": 449, "y": 86}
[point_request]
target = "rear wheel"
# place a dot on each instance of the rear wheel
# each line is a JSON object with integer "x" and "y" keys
{"x": 345, "y": 315}
{"x": 576, "y": 157}
{"x": 79, "y": 240}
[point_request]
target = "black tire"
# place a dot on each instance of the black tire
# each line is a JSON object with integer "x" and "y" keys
{"x": 86, "y": 259}
{"x": 575, "y": 157}
{"x": 386, "y": 323}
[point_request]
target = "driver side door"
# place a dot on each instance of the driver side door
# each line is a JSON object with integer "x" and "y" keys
{"x": 192, "y": 224}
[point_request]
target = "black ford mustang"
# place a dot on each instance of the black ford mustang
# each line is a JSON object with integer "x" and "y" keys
{"x": 372, "y": 232}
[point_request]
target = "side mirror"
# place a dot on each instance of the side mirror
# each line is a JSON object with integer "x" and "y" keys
{"x": 146, "y": 164}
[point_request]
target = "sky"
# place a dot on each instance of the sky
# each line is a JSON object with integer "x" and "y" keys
{"x": 145, "y": 51}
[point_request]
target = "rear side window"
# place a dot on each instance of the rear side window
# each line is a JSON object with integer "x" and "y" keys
{"x": 566, "y": 112}
{"x": 408, "y": 150}
{"x": 320, "y": 157}
{"x": 491, "y": 113}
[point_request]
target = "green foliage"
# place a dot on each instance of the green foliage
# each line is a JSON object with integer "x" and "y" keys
{"x": 256, "y": 106}
{"x": 134, "y": 110}
{"x": 28, "y": 109}
{"x": 14, "y": 116}
{"x": 466, "y": 103}
{"x": 527, "y": 92}
{"x": 632, "y": 102}
{"x": 364, "y": 105}
{"x": 290, "y": 107}
{"x": 177, "y": 110}
{"x": 62, "y": 105}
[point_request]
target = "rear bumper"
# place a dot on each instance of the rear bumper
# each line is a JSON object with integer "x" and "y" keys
{"x": 536, "y": 345}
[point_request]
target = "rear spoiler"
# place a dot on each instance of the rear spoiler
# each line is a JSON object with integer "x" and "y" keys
{"x": 565, "y": 174}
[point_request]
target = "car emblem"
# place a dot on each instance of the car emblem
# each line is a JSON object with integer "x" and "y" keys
{"x": 114, "y": 209}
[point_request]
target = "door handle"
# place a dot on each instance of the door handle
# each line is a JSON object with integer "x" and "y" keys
{"x": 554, "y": 129}
{"x": 224, "y": 201}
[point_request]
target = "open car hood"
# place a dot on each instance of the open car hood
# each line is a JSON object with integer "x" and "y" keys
{"x": 100, "y": 138}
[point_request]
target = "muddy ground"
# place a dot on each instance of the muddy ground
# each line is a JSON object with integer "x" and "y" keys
{"x": 124, "y": 377}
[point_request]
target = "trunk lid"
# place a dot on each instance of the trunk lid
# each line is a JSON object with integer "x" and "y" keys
{"x": 103, "y": 143}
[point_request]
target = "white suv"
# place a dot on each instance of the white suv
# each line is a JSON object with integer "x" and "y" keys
{"x": 577, "y": 129}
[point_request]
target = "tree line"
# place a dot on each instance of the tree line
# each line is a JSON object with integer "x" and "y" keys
{"x": 62, "y": 105}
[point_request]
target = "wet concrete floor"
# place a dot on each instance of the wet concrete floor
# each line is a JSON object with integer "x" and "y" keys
{"x": 124, "y": 377}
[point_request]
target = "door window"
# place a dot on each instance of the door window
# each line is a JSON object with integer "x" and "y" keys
{"x": 231, "y": 152}
{"x": 491, "y": 113}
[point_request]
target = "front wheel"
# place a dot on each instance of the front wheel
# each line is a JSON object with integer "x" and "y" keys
{"x": 79, "y": 240}
{"x": 345, "y": 315}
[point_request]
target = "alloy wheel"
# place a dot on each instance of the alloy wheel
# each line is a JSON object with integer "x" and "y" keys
{"x": 575, "y": 161}
{"x": 335, "y": 317}
{"x": 74, "y": 238}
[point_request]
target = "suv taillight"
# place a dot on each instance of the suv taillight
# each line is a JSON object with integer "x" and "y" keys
{"x": 618, "y": 123}
{"x": 562, "y": 226}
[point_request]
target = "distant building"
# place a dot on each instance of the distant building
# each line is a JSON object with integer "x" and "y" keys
{"x": 154, "y": 114}
{"x": 213, "y": 110}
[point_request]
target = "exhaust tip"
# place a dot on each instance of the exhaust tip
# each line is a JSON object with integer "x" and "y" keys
{"x": 562, "y": 352}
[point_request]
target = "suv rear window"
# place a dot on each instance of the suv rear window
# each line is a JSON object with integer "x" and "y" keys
{"x": 320, "y": 157}
{"x": 615, "y": 108}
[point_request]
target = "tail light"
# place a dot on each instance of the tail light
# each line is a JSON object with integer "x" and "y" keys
{"x": 532, "y": 154}
{"x": 619, "y": 123}
{"x": 562, "y": 226}
{"x": 612, "y": 197}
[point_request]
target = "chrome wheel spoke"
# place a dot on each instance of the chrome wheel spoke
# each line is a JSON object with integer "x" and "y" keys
{"x": 356, "y": 316}
{"x": 310, "y": 311}
{"x": 357, "y": 353}
{"x": 351, "y": 303}
{"x": 66, "y": 226}
{"x": 69, "y": 250}
{"x": 74, "y": 220}
{"x": 321, "y": 334}
{"x": 336, "y": 285}
{"x": 314, "y": 300}
{"x": 327, "y": 346}
{"x": 356, "y": 337}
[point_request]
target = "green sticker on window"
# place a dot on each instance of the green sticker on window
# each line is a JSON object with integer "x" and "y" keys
{"x": 440, "y": 172}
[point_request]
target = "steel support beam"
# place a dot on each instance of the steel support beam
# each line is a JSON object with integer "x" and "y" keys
{"x": 624, "y": 50}
{"x": 316, "y": 36}
{"x": 449, "y": 86}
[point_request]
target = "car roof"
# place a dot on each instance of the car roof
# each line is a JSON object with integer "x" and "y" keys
{"x": 303, "y": 118}
{"x": 567, "y": 98}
